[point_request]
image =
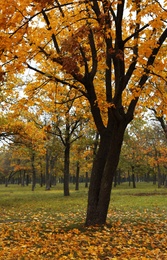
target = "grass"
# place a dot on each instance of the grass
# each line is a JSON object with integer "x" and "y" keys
{"x": 145, "y": 195}
{"x": 20, "y": 203}
{"x": 46, "y": 225}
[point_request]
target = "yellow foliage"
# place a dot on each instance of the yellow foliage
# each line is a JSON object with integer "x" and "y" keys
{"x": 66, "y": 50}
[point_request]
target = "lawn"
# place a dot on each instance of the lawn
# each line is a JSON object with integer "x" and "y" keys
{"x": 46, "y": 225}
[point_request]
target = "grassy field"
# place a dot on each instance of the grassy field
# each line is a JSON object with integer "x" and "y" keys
{"x": 46, "y": 225}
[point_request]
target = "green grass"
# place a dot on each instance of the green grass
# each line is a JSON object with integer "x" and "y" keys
{"x": 46, "y": 225}
{"x": 146, "y": 195}
{"x": 130, "y": 204}
{"x": 21, "y": 204}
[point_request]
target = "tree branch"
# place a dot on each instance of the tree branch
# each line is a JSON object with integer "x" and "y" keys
{"x": 57, "y": 79}
{"x": 135, "y": 33}
{"x": 94, "y": 54}
{"x": 53, "y": 35}
{"x": 40, "y": 12}
{"x": 145, "y": 76}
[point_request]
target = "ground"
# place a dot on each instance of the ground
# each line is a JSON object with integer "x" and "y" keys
{"x": 46, "y": 225}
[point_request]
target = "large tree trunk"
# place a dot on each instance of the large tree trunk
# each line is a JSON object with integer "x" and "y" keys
{"x": 103, "y": 172}
{"x": 95, "y": 181}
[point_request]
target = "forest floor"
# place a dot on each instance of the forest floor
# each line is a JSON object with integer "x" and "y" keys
{"x": 46, "y": 225}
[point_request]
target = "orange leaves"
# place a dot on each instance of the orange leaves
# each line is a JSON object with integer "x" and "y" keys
{"x": 49, "y": 226}
{"x": 45, "y": 239}
{"x": 44, "y": 3}
{"x": 75, "y": 50}
{"x": 62, "y": 43}
{"x": 70, "y": 65}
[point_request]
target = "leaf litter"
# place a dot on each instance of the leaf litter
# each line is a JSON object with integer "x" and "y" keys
{"x": 39, "y": 235}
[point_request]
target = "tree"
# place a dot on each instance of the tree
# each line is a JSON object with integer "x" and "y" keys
{"x": 156, "y": 151}
{"x": 133, "y": 151}
{"x": 24, "y": 133}
{"x": 144, "y": 151}
{"x": 106, "y": 50}
{"x": 6, "y": 168}
{"x": 51, "y": 161}
{"x": 67, "y": 125}
{"x": 82, "y": 154}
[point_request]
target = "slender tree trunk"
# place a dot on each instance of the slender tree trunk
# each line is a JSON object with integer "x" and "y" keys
{"x": 41, "y": 175}
{"x": 52, "y": 165}
{"x": 129, "y": 179}
{"x": 19, "y": 177}
{"x": 27, "y": 179}
{"x": 47, "y": 174}
{"x": 6, "y": 182}
{"x": 86, "y": 180}
{"x": 41, "y": 179}
{"x": 154, "y": 178}
{"x": 33, "y": 172}
{"x": 133, "y": 177}
{"x": 103, "y": 172}
{"x": 66, "y": 169}
{"x": 77, "y": 176}
{"x": 23, "y": 178}
{"x": 159, "y": 177}
{"x": 133, "y": 180}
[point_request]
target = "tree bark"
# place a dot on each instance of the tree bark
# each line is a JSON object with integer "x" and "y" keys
{"x": 47, "y": 174}
{"x": 6, "y": 182}
{"x": 133, "y": 180}
{"x": 129, "y": 179}
{"x": 66, "y": 169}
{"x": 103, "y": 172}
{"x": 154, "y": 179}
{"x": 27, "y": 179}
{"x": 23, "y": 178}
{"x": 86, "y": 180}
{"x": 159, "y": 176}
{"x": 77, "y": 176}
{"x": 133, "y": 177}
{"x": 33, "y": 171}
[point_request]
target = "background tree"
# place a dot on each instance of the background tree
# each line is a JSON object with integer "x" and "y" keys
{"x": 82, "y": 155}
{"x": 156, "y": 152}
{"x": 144, "y": 148}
